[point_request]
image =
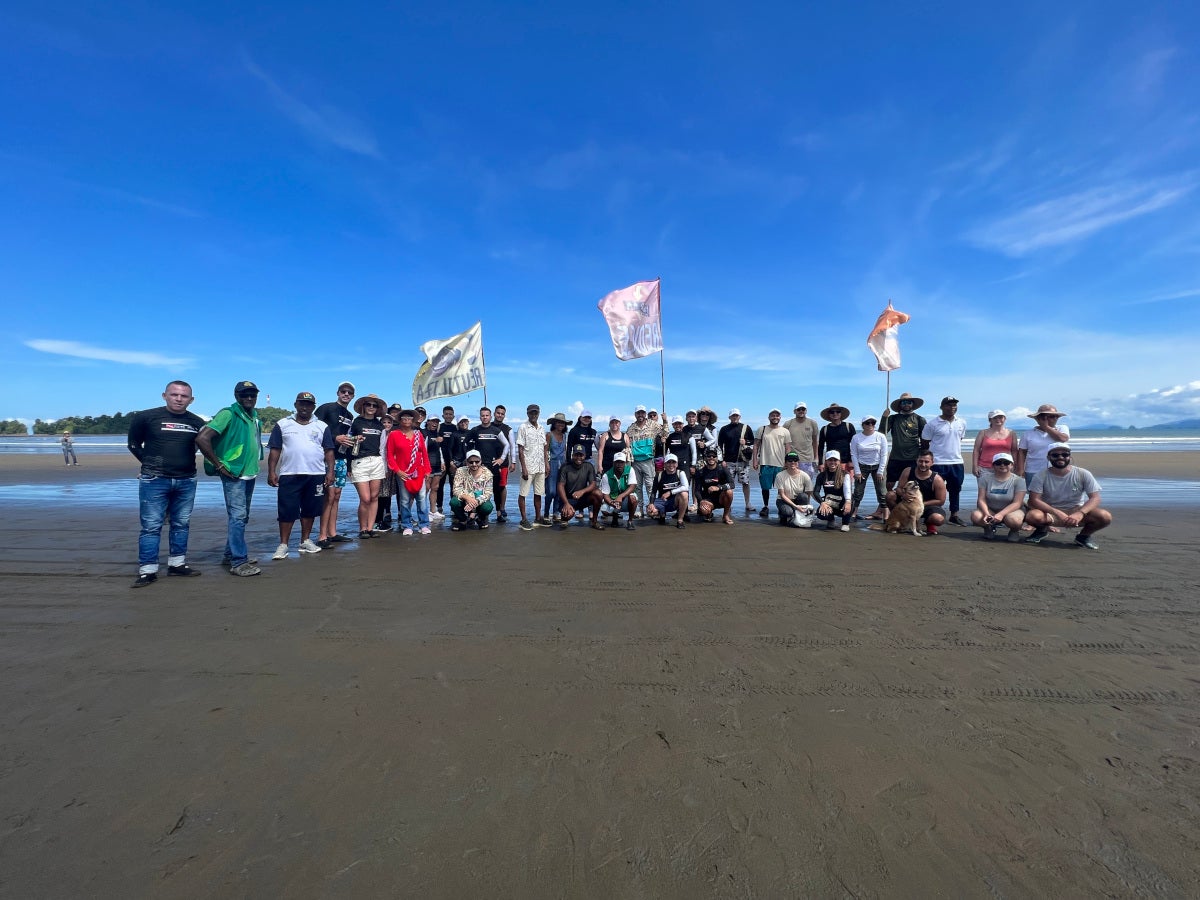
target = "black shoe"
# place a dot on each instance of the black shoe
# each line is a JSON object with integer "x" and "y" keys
{"x": 146, "y": 579}
{"x": 364, "y": 535}
{"x": 629, "y": 526}
{"x": 680, "y": 524}
{"x": 502, "y": 516}
{"x": 325, "y": 544}
{"x": 762, "y": 513}
{"x": 1038, "y": 536}
{"x": 340, "y": 539}
{"x": 184, "y": 571}
{"x": 955, "y": 520}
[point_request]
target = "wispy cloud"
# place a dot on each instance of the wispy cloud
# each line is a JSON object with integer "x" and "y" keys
{"x": 136, "y": 199}
{"x": 127, "y": 357}
{"x": 1071, "y": 218}
{"x": 1165, "y": 298}
{"x": 324, "y": 123}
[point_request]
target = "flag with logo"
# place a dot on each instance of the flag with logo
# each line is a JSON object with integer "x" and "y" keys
{"x": 453, "y": 366}
{"x": 634, "y": 319}
{"x": 882, "y": 339}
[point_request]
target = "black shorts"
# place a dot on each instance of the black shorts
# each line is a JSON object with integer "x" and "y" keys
{"x": 930, "y": 510}
{"x": 300, "y": 497}
{"x": 896, "y": 467}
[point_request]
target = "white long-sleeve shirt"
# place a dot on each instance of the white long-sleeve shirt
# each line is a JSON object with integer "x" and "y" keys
{"x": 869, "y": 449}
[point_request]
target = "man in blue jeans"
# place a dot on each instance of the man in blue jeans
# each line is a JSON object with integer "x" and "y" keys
{"x": 231, "y": 444}
{"x": 164, "y": 442}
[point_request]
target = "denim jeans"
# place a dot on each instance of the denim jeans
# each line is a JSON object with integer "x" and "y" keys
{"x": 161, "y": 499}
{"x": 238, "y": 493}
{"x": 407, "y": 500}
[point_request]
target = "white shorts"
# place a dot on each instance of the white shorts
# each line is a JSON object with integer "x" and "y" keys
{"x": 367, "y": 468}
{"x": 536, "y": 480}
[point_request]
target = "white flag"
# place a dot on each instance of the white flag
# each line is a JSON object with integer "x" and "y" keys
{"x": 883, "y": 338}
{"x": 453, "y": 366}
{"x": 634, "y": 319}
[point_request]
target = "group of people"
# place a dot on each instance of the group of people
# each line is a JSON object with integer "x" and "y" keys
{"x": 654, "y": 469}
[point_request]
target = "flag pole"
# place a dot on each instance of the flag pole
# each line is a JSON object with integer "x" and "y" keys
{"x": 662, "y": 367}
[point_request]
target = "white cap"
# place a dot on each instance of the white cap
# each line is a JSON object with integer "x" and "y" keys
{"x": 675, "y": 419}
{"x": 735, "y": 412}
{"x": 997, "y": 412}
{"x": 653, "y": 411}
{"x": 800, "y": 404}
{"x": 1058, "y": 445}
{"x": 585, "y": 414}
{"x": 670, "y": 457}
{"x": 640, "y": 408}
{"x": 621, "y": 456}
{"x": 832, "y": 454}
{"x": 691, "y": 412}
{"x": 1001, "y": 457}
{"x": 866, "y": 419}
{"x": 474, "y": 453}
{"x": 776, "y": 410}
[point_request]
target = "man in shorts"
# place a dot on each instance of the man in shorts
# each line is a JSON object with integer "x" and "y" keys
{"x": 533, "y": 455}
{"x": 300, "y": 464}
{"x": 736, "y": 443}
{"x": 338, "y": 418}
{"x": 933, "y": 491}
{"x": 770, "y": 446}
{"x": 1067, "y": 496}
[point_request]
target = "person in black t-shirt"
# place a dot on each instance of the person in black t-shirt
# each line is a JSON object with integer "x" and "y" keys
{"x": 164, "y": 442}
{"x": 502, "y": 491}
{"x": 446, "y": 430}
{"x": 713, "y": 487}
{"x": 337, "y": 416}
{"x": 490, "y": 440}
{"x": 583, "y": 434}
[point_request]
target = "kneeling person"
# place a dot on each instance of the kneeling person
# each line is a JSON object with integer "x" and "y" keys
{"x": 933, "y": 491}
{"x": 793, "y": 488}
{"x": 714, "y": 488}
{"x": 300, "y": 464}
{"x": 578, "y": 488}
{"x": 471, "y": 496}
{"x": 1000, "y": 499}
{"x": 670, "y": 493}
{"x": 618, "y": 489}
{"x": 1067, "y": 496}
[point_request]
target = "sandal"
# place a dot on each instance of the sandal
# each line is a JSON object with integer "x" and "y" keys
{"x": 365, "y": 535}
{"x": 598, "y": 526}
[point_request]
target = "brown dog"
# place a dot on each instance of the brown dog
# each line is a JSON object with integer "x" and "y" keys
{"x": 908, "y": 511}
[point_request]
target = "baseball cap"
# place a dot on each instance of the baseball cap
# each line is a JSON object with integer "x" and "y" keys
{"x": 711, "y": 451}
{"x": 532, "y": 406}
{"x": 640, "y": 408}
{"x": 790, "y": 455}
{"x": 775, "y": 410}
{"x": 620, "y": 456}
{"x": 997, "y": 412}
{"x": 735, "y": 412}
{"x": 677, "y": 419}
{"x": 305, "y": 395}
{"x": 866, "y": 419}
{"x": 1001, "y": 457}
{"x": 800, "y": 404}
{"x": 245, "y": 387}
{"x": 690, "y": 412}
{"x": 670, "y": 457}
{"x": 474, "y": 453}
{"x": 585, "y": 414}
{"x": 832, "y": 454}
{"x": 578, "y": 448}
{"x": 1059, "y": 445}
{"x": 946, "y": 400}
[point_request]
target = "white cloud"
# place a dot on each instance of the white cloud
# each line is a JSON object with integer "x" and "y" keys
{"x": 1073, "y": 217}
{"x": 127, "y": 357}
{"x": 325, "y": 123}
{"x": 1163, "y": 298}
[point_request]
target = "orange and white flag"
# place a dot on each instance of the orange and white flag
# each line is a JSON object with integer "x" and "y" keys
{"x": 882, "y": 339}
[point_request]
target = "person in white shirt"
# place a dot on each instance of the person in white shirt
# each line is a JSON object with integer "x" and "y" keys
{"x": 869, "y": 453}
{"x": 1031, "y": 451}
{"x": 944, "y": 436}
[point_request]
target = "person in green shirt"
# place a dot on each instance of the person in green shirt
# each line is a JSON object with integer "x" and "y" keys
{"x": 618, "y": 490}
{"x": 231, "y": 443}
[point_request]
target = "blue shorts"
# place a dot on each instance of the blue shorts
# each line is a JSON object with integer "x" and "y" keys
{"x": 671, "y": 504}
{"x": 766, "y": 476}
{"x": 339, "y": 473}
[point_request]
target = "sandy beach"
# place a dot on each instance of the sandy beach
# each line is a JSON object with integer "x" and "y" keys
{"x": 727, "y": 711}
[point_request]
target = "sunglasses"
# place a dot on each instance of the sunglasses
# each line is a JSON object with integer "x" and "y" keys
{"x": 1001, "y": 462}
{"x": 370, "y": 405}
{"x": 1059, "y": 455}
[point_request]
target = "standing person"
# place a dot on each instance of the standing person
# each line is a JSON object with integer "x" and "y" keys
{"x": 612, "y": 442}
{"x": 433, "y": 449}
{"x": 388, "y": 487}
{"x": 834, "y": 488}
{"x": 836, "y": 435}
{"x": 736, "y": 443}
{"x": 300, "y": 464}
{"x": 713, "y": 488}
{"x": 793, "y": 490}
{"x": 408, "y": 461}
{"x": 701, "y": 436}
{"x": 367, "y": 468}
{"x": 945, "y": 435}
{"x": 68, "y": 450}
{"x": 869, "y": 452}
{"x": 644, "y": 436}
{"x": 533, "y": 457}
{"x": 1067, "y": 496}
{"x": 583, "y": 435}
{"x": 231, "y": 444}
{"x": 164, "y": 441}
{"x": 992, "y": 440}
{"x": 490, "y": 440}
{"x": 671, "y": 491}
{"x": 903, "y": 431}
{"x": 506, "y": 464}
{"x": 471, "y": 496}
{"x": 556, "y": 448}
{"x": 691, "y": 431}
{"x": 578, "y": 488}
{"x": 675, "y": 442}
{"x": 337, "y": 417}
{"x": 1031, "y": 450}
{"x": 617, "y": 487}
{"x": 770, "y": 446}
{"x": 804, "y": 433}
{"x": 1000, "y": 499}
{"x": 462, "y": 437}
{"x": 447, "y": 432}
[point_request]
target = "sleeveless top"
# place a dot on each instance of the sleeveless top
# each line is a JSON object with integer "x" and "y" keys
{"x": 558, "y": 450}
{"x": 926, "y": 486}
{"x": 989, "y": 447}
{"x": 612, "y": 446}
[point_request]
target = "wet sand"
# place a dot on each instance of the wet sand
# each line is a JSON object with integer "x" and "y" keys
{"x": 719, "y": 712}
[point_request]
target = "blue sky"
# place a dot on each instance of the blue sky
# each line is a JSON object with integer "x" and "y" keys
{"x": 300, "y": 195}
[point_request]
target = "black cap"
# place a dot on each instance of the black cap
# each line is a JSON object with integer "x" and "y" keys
{"x": 578, "y": 448}
{"x": 245, "y": 387}
{"x": 711, "y": 451}
{"x": 790, "y": 455}
{"x": 946, "y": 400}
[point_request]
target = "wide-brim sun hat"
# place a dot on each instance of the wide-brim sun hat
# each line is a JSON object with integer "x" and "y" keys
{"x": 358, "y": 404}
{"x": 917, "y": 402}
{"x": 828, "y": 411}
{"x": 1048, "y": 409}
{"x": 559, "y": 417}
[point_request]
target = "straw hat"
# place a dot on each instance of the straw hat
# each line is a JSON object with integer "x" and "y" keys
{"x": 559, "y": 417}
{"x": 358, "y": 404}
{"x": 828, "y": 411}
{"x": 917, "y": 402}
{"x": 1048, "y": 409}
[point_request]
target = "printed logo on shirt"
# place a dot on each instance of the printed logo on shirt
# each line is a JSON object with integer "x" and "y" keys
{"x": 179, "y": 426}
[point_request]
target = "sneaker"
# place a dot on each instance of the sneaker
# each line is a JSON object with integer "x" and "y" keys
{"x": 989, "y": 532}
{"x": 227, "y": 563}
{"x": 184, "y": 571}
{"x": 680, "y": 524}
{"x": 325, "y": 544}
{"x": 310, "y": 546}
{"x": 1038, "y": 536}
{"x": 145, "y": 579}
{"x": 426, "y": 530}
{"x": 281, "y": 552}
{"x": 407, "y": 532}
{"x": 382, "y": 526}
{"x": 1085, "y": 540}
{"x": 955, "y": 520}
{"x": 502, "y": 516}
{"x": 845, "y": 528}
{"x": 483, "y": 526}
{"x": 629, "y": 526}
{"x": 526, "y": 525}
{"x": 455, "y": 527}
{"x": 436, "y": 516}
{"x": 340, "y": 539}
{"x": 1014, "y": 535}
{"x": 245, "y": 570}
{"x": 543, "y": 522}
{"x": 762, "y": 513}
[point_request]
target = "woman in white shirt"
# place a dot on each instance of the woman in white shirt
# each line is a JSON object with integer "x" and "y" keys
{"x": 869, "y": 452}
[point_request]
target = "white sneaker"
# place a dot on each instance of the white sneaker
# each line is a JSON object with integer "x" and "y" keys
{"x": 638, "y": 514}
{"x": 281, "y": 552}
{"x": 309, "y": 546}
{"x": 407, "y": 532}
{"x": 845, "y": 528}
{"x": 436, "y": 516}
{"x": 426, "y": 530}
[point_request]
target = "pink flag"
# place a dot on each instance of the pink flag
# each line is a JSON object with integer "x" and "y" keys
{"x": 882, "y": 339}
{"x": 634, "y": 319}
